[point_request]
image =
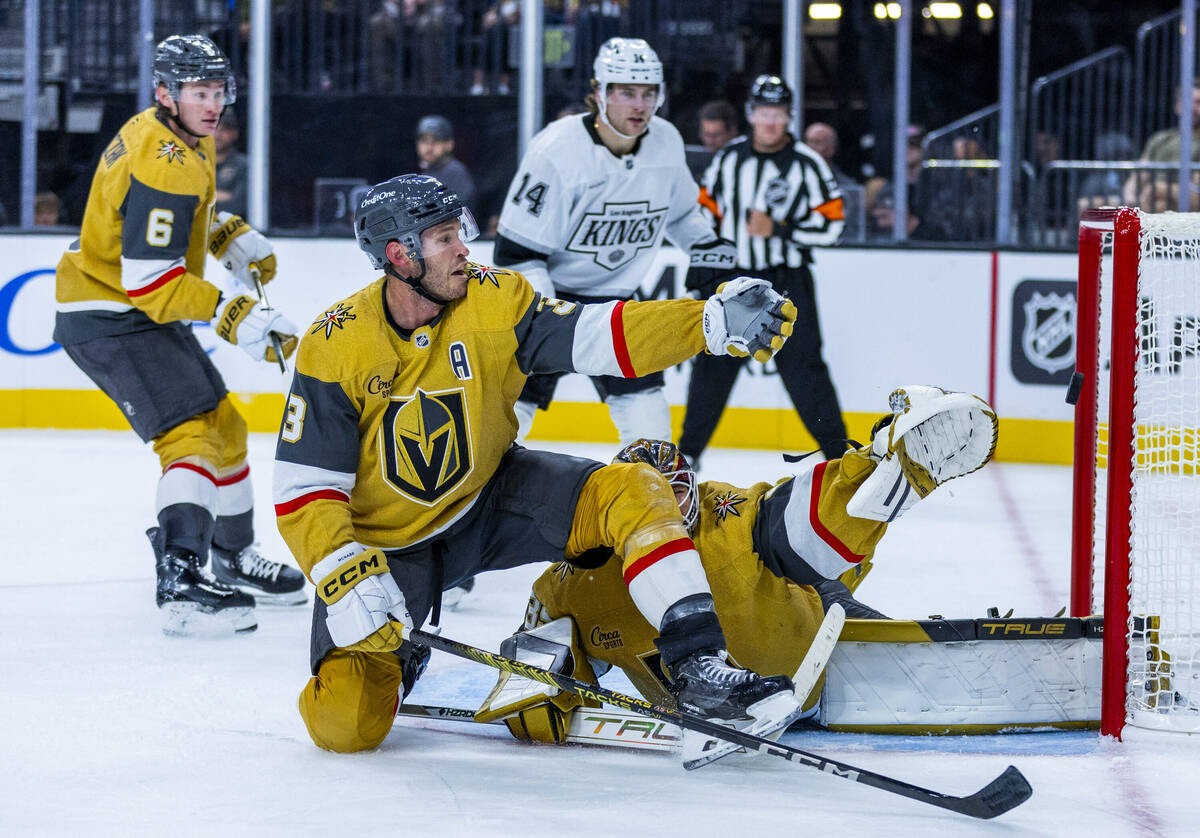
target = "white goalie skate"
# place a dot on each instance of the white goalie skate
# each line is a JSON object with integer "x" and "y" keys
{"x": 932, "y": 436}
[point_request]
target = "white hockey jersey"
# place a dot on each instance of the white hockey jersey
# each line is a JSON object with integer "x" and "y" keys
{"x": 597, "y": 217}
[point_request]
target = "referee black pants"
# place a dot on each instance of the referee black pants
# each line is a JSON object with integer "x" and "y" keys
{"x": 801, "y": 367}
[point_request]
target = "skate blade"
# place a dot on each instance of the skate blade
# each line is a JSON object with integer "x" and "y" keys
{"x": 285, "y": 600}
{"x": 187, "y": 619}
{"x": 771, "y": 717}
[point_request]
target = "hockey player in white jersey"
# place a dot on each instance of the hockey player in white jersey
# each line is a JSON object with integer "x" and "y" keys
{"x": 588, "y": 209}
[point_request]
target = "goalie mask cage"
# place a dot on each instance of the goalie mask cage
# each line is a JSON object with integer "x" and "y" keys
{"x": 1136, "y": 484}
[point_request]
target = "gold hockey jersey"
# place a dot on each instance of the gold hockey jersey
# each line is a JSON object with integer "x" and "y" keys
{"x": 756, "y": 544}
{"x": 144, "y": 236}
{"x": 389, "y": 435}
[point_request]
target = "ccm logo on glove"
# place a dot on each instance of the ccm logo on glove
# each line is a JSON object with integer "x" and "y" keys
{"x": 335, "y": 586}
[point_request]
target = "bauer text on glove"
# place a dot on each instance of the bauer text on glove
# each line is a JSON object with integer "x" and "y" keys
{"x": 247, "y": 324}
{"x": 364, "y": 608}
{"x": 239, "y": 247}
{"x": 746, "y": 317}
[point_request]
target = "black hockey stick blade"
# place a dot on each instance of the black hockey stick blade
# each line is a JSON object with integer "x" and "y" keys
{"x": 1008, "y": 790}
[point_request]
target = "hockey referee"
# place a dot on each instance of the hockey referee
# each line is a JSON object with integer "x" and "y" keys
{"x": 775, "y": 198}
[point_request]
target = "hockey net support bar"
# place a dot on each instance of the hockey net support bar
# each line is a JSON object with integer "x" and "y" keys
{"x": 1137, "y": 422}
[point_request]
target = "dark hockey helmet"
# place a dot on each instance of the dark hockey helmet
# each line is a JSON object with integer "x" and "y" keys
{"x": 400, "y": 209}
{"x": 665, "y": 457}
{"x": 769, "y": 90}
{"x": 184, "y": 58}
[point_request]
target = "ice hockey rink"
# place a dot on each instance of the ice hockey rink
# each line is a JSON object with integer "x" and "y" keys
{"x": 112, "y": 728}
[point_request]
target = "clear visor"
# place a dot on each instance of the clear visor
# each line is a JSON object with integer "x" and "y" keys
{"x": 216, "y": 94}
{"x": 445, "y": 235}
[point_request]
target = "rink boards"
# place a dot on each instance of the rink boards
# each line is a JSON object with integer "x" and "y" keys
{"x": 997, "y": 324}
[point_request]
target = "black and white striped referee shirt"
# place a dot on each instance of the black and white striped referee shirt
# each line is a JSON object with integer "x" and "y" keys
{"x": 793, "y": 185}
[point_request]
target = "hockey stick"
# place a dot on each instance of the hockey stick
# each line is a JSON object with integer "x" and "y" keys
{"x": 589, "y": 726}
{"x": 256, "y": 275}
{"x": 1007, "y": 791}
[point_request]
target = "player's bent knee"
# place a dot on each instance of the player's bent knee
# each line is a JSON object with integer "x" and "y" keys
{"x": 350, "y": 704}
{"x": 232, "y": 431}
{"x": 197, "y": 437}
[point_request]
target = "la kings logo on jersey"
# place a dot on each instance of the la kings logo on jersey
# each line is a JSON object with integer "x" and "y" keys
{"x": 615, "y": 234}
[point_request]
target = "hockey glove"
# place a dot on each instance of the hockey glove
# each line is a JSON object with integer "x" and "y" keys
{"x": 711, "y": 263}
{"x": 364, "y": 608}
{"x": 238, "y": 247}
{"x": 746, "y": 317}
{"x": 247, "y": 324}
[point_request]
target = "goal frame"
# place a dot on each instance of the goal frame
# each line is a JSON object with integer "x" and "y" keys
{"x": 1125, "y": 226}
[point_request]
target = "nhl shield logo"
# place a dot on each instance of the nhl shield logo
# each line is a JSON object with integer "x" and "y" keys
{"x": 615, "y": 235}
{"x": 1048, "y": 338}
{"x": 426, "y": 444}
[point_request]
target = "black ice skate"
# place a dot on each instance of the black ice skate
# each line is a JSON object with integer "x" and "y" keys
{"x": 705, "y": 684}
{"x": 193, "y": 601}
{"x": 270, "y": 583}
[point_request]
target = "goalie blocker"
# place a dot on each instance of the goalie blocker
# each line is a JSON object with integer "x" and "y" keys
{"x": 911, "y": 677}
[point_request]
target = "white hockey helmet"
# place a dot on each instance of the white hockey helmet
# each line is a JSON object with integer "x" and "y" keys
{"x": 626, "y": 61}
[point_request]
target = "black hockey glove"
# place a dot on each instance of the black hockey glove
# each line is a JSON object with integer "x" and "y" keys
{"x": 712, "y": 263}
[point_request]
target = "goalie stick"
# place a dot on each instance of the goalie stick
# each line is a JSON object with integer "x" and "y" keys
{"x": 1008, "y": 790}
{"x": 622, "y": 729}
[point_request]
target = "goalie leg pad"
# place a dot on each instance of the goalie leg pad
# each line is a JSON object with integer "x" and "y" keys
{"x": 531, "y": 709}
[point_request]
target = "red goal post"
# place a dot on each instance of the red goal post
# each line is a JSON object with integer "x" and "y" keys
{"x": 1136, "y": 517}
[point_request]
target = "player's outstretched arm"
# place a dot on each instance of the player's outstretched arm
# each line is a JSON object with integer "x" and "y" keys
{"x": 746, "y": 317}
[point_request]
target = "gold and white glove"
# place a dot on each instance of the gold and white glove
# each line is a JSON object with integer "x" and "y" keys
{"x": 747, "y": 317}
{"x": 364, "y": 608}
{"x": 239, "y": 247}
{"x": 247, "y": 324}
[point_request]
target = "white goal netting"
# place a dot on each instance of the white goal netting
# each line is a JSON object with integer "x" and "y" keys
{"x": 1164, "y": 586}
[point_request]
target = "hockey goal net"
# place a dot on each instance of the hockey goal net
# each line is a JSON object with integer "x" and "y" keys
{"x": 1136, "y": 519}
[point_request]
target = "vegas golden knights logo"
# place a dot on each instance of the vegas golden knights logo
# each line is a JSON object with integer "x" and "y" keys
{"x": 426, "y": 444}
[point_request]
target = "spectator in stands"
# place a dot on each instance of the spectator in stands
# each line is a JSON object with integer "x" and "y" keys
{"x": 435, "y": 151}
{"x": 47, "y": 209}
{"x": 386, "y": 28}
{"x": 1104, "y": 187}
{"x": 823, "y": 139}
{"x": 496, "y": 23}
{"x": 718, "y": 124}
{"x": 922, "y": 221}
{"x": 967, "y": 195}
{"x": 232, "y": 167}
{"x": 1157, "y": 191}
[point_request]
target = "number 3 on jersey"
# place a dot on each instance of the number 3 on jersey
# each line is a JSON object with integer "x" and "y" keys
{"x": 535, "y": 195}
{"x": 293, "y": 419}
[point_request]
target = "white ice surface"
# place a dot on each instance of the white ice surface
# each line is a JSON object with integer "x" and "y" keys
{"x": 111, "y": 728}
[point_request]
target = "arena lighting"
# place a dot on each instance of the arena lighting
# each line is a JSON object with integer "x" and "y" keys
{"x": 880, "y": 11}
{"x": 984, "y": 10}
{"x": 945, "y": 11}
{"x": 887, "y": 10}
{"x": 825, "y": 11}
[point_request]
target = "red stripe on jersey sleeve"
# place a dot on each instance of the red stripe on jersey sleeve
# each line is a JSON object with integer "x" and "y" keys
{"x": 158, "y": 283}
{"x": 288, "y": 507}
{"x": 619, "y": 346}
{"x": 655, "y": 555}
{"x": 820, "y": 529}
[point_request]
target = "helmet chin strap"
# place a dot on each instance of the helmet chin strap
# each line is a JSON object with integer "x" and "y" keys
{"x": 414, "y": 282}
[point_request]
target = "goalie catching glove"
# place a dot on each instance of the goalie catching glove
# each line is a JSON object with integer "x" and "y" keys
{"x": 239, "y": 248}
{"x": 364, "y": 608}
{"x": 746, "y": 317}
{"x": 931, "y": 436}
{"x": 245, "y": 323}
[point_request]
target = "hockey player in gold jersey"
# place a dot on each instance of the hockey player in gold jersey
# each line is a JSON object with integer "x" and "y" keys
{"x": 775, "y": 555}
{"x": 396, "y": 475}
{"x": 126, "y": 290}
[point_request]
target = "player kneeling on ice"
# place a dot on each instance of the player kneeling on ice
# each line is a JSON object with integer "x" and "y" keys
{"x": 396, "y": 476}
{"x": 127, "y": 292}
{"x": 777, "y": 557}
